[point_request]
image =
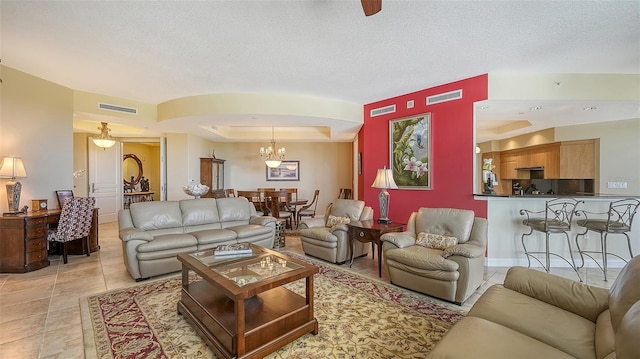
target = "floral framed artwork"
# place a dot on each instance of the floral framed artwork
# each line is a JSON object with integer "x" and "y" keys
{"x": 287, "y": 171}
{"x": 410, "y": 152}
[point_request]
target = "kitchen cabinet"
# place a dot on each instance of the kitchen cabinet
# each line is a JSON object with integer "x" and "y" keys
{"x": 508, "y": 170}
{"x": 578, "y": 159}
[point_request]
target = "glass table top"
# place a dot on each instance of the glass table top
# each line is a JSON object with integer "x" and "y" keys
{"x": 246, "y": 268}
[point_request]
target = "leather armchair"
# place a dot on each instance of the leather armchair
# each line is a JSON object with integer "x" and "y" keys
{"x": 453, "y": 273}
{"x": 332, "y": 243}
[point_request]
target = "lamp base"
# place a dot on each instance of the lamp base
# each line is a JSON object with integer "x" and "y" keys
{"x": 384, "y": 220}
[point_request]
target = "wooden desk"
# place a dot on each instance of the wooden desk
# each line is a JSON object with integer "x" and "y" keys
{"x": 23, "y": 240}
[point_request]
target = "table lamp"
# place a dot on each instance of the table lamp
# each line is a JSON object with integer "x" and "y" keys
{"x": 12, "y": 167}
{"x": 384, "y": 180}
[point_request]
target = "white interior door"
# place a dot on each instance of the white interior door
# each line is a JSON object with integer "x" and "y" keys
{"x": 105, "y": 180}
{"x": 163, "y": 168}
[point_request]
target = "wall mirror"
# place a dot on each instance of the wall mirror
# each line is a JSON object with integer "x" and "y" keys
{"x": 131, "y": 169}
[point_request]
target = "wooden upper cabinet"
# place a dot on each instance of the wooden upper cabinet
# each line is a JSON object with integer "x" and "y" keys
{"x": 561, "y": 160}
{"x": 578, "y": 159}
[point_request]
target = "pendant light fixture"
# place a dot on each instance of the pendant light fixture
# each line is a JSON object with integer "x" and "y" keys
{"x": 272, "y": 155}
{"x": 105, "y": 140}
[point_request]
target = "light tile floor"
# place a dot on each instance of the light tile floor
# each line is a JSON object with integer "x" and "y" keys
{"x": 40, "y": 313}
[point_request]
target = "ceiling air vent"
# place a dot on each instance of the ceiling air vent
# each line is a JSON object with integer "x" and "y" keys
{"x": 108, "y": 107}
{"x": 383, "y": 110}
{"x": 444, "y": 97}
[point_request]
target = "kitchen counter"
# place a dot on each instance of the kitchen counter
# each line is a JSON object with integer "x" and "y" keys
{"x": 504, "y": 247}
{"x": 544, "y": 195}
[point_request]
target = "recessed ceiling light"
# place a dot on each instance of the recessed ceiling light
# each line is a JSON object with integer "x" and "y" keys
{"x": 590, "y": 108}
{"x": 484, "y": 107}
{"x": 535, "y": 108}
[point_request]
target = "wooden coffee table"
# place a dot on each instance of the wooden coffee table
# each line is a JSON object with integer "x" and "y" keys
{"x": 370, "y": 232}
{"x": 240, "y": 308}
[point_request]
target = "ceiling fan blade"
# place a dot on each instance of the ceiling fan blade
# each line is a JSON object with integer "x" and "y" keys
{"x": 371, "y": 7}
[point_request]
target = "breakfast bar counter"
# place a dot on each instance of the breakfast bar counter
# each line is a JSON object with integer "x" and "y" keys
{"x": 504, "y": 247}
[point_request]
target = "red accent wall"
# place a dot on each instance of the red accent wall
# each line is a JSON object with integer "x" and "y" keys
{"x": 452, "y": 151}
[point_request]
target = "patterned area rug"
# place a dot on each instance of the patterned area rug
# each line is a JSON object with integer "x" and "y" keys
{"x": 358, "y": 318}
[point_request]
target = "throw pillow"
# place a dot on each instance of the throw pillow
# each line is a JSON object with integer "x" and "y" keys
{"x": 435, "y": 241}
{"x": 334, "y": 220}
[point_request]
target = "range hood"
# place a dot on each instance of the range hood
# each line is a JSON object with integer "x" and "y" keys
{"x": 540, "y": 168}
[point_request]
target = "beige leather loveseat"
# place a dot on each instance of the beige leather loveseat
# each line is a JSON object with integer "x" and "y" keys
{"x": 450, "y": 271}
{"x": 153, "y": 233}
{"x": 539, "y": 315}
{"x": 322, "y": 239}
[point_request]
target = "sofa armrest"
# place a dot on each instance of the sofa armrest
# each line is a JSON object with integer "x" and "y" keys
{"x": 578, "y": 298}
{"x": 312, "y": 223}
{"x": 469, "y": 250}
{"x": 399, "y": 239}
{"x": 127, "y": 234}
{"x": 262, "y": 220}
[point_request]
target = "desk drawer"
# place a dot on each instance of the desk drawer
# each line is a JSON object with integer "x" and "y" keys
{"x": 363, "y": 235}
{"x": 36, "y": 256}
{"x": 36, "y": 221}
{"x": 37, "y": 232}
{"x": 36, "y": 245}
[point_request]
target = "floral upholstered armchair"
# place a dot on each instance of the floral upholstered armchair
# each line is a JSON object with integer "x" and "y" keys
{"x": 440, "y": 254}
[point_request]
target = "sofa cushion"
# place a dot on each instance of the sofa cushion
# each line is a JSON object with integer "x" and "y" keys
{"x": 347, "y": 208}
{"x": 156, "y": 215}
{"x": 625, "y": 292}
{"x": 544, "y": 322}
{"x": 321, "y": 233}
{"x": 446, "y": 221}
{"x": 334, "y": 220}
{"x": 473, "y": 337}
{"x": 235, "y": 209}
{"x": 249, "y": 230}
{"x": 214, "y": 236}
{"x": 169, "y": 241}
{"x": 421, "y": 258}
{"x": 199, "y": 211}
{"x": 435, "y": 241}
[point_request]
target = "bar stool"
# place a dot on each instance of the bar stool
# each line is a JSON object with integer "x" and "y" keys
{"x": 555, "y": 218}
{"x": 618, "y": 221}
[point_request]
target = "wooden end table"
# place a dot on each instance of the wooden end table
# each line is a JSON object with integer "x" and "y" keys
{"x": 370, "y": 232}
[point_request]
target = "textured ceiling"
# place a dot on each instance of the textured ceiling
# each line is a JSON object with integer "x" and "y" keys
{"x": 158, "y": 51}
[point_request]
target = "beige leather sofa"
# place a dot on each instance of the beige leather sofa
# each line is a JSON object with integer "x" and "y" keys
{"x": 539, "y": 315}
{"x": 332, "y": 243}
{"x": 451, "y": 274}
{"x": 154, "y": 233}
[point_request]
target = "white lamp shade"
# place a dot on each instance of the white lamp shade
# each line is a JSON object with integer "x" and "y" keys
{"x": 272, "y": 163}
{"x": 384, "y": 179}
{"x": 12, "y": 167}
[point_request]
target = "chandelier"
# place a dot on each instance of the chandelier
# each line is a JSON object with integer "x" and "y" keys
{"x": 105, "y": 140}
{"x": 272, "y": 155}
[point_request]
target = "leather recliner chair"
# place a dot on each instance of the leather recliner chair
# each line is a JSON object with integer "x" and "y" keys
{"x": 452, "y": 273}
{"x": 332, "y": 243}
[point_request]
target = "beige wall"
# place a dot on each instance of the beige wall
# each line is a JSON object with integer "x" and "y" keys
{"x": 149, "y": 156}
{"x": 36, "y": 123}
{"x": 619, "y": 152}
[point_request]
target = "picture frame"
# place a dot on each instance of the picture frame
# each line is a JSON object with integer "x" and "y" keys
{"x": 62, "y": 195}
{"x": 287, "y": 171}
{"x": 410, "y": 152}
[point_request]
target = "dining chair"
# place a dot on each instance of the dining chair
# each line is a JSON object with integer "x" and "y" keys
{"x": 554, "y": 219}
{"x": 310, "y": 209}
{"x": 230, "y": 192}
{"x": 75, "y": 223}
{"x": 255, "y": 197}
{"x": 345, "y": 193}
{"x": 619, "y": 219}
{"x": 277, "y": 202}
